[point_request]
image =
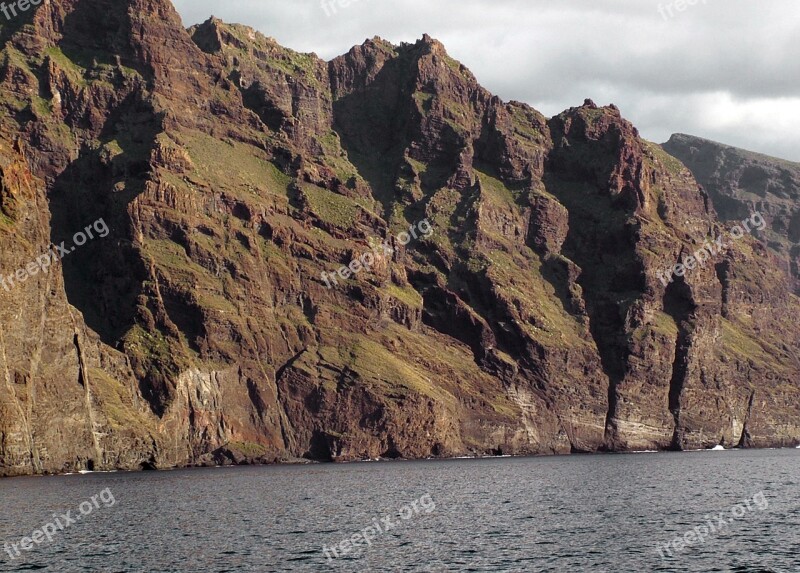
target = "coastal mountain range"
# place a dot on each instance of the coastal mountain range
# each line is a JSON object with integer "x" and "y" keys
{"x": 233, "y": 172}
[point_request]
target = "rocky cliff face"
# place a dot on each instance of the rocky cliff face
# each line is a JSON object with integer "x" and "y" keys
{"x": 232, "y": 173}
{"x": 740, "y": 182}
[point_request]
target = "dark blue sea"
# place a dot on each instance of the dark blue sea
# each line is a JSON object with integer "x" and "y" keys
{"x": 735, "y": 511}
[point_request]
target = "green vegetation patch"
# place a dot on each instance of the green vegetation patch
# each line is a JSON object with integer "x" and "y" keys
{"x": 592, "y": 116}
{"x": 523, "y": 286}
{"x": 424, "y": 101}
{"x": 333, "y": 208}
{"x": 336, "y": 158}
{"x": 405, "y": 294}
{"x": 525, "y": 121}
{"x": 234, "y": 167}
{"x": 661, "y": 324}
{"x": 76, "y": 72}
{"x": 442, "y": 214}
{"x": 153, "y": 346}
{"x": 495, "y": 190}
{"x": 172, "y": 259}
{"x": 265, "y": 51}
{"x": 249, "y": 449}
{"x": 735, "y": 341}
{"x": 671, "y": 164}
{"x": 115, "y": 402}
{"x": 384, "y": 370}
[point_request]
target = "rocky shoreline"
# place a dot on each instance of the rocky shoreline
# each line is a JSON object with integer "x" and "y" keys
{"x": 234, "y": 174}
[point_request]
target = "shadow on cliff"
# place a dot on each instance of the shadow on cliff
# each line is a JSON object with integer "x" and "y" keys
{"x": 9, "y": 27}
{"x": 679, "y": 304}
{"x": 96, "y": 32}
{"x": 602, "y": 244}
{"x": 104, "y": 277}
{"x": 378, "y": 123}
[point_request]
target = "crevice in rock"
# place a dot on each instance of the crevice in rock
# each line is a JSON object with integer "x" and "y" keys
{"x": 745, "y": 441}
{"x": 281, "y": 400}
{"x": 446, "y": 313}
{"x": 723, "y": 271}
{"x": 679, "y": 304}
{"x": 83, "y": 379}
{"x": 601, "y": 243}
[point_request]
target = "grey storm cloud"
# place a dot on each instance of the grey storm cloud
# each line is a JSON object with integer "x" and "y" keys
{"x": 722, "y": 69}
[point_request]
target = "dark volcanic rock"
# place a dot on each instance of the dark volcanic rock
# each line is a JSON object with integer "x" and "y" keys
{"x": 233, "y": 172}
{"x": 741, "y": 182}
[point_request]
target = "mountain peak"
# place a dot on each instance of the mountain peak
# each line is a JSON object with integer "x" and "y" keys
{"x": 433, "y": 45}
{"x": 514, "y": 306}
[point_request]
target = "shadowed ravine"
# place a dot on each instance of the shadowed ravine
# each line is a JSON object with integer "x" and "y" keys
{"x": 233, "y": 172}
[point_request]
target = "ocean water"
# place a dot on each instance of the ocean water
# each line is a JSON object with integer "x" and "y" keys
{"x": 594, "y": 513}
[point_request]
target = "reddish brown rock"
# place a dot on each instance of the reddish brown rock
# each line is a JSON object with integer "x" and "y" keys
{"x": 233, "y": 172}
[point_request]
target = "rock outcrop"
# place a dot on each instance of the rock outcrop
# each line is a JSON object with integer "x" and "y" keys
{"x": 233, "y": 172}
{"x": 741, "y": 182}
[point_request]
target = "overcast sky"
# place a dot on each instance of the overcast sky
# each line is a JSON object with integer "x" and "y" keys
{"x": 726, "y": 70}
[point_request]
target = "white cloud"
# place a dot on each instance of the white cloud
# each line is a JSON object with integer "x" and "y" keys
{"x": 721, "y": 69}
